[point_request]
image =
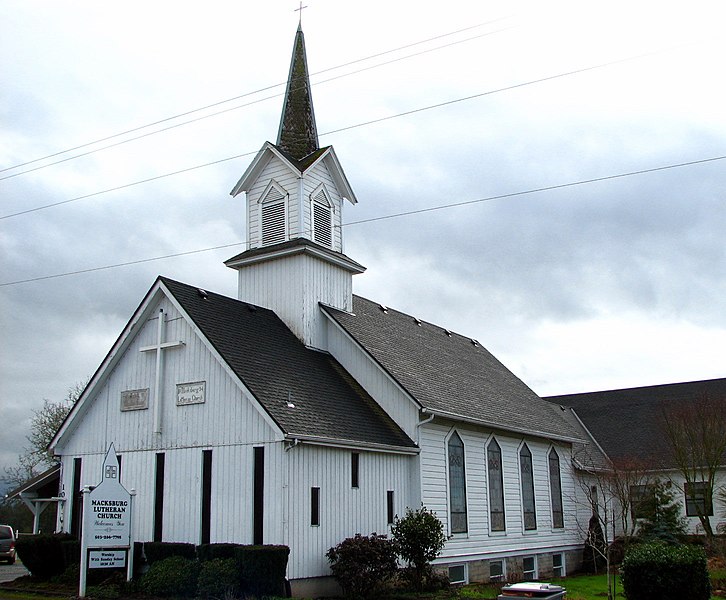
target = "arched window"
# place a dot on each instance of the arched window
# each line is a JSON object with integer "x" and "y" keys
{"x": 496, "y": 487}
{"x": 322, "y": 215}
{"x": 558, "y": 520}
{"x": 457, "y": 485}
{"x": 527, "y": 477}
{"x": 273, "y": 215}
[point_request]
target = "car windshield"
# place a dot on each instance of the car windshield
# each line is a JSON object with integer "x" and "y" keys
{"x": 5, "y": 533}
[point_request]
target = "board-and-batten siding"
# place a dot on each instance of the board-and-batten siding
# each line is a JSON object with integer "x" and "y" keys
{"x": 281, "y": 173}
{"x": 293, "y": 287}
{"x": 344, "y": 511}
{"x": 374, "y": 380}
{"x": 479, "y": 540}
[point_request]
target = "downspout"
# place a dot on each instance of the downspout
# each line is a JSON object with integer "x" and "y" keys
{"x": 420, "y": 424}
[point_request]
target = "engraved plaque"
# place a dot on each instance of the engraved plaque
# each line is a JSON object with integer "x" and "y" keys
{"x": 135, "y": 399}
{"x": 191, "y": 393}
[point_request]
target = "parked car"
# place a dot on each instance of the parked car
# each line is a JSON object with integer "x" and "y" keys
{"x": 7, "y": 544}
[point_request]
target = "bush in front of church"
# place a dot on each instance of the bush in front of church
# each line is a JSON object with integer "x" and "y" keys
{"x": 363, "y": 565}
{"x": 173, "y": 576}
{"x": 43, "y": 554}
{"x": 218, "y": 578}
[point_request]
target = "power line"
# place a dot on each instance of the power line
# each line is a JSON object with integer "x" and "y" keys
{"x": 221, "y": 102}
{"x": 391, "y": 216}
{"x": 339, "y": 130}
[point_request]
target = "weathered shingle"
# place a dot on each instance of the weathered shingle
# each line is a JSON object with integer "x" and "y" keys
{"x": 449, "y": 373}
{"x": 279, "y": 370}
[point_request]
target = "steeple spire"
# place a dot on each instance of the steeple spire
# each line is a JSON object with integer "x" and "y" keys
{"x": 298, "y": 135}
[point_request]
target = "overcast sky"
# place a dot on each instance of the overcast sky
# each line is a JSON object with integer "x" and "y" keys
{"x": 617, "y": 282}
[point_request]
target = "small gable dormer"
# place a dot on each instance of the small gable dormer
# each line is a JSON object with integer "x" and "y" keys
{"x": 294, "y": 193}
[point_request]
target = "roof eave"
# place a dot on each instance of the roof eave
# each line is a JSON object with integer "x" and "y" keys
{"x": 351, "y": 444}
{"x": 259, "y": 162}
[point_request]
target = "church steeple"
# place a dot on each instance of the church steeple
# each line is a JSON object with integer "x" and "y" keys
{"x": 298, "y": 134}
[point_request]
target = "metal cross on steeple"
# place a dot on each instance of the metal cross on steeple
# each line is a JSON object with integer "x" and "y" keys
{"x": 300, "y": 11}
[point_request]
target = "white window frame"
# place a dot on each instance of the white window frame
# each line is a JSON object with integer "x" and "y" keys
{"x": 463, "y": 581}
{"x": 321, "y": 197}
{"x": 534, "y": 571}
{"x": 499, "y": 532}
{"x": 562, "y": 567}
{"x": 525, "y": 529}
{"x": 503, "y": 576}
{"x": 459, "y": 534}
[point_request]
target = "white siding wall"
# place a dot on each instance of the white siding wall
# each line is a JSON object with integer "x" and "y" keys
{"x": 344, "y": 511}
{"x": 479, "y": 540}
{"x": 293, "y": 287}
{"x": 313, "y": 178}
{"x": 373, "y": 379}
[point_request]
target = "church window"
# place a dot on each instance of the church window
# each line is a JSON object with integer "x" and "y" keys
{"x": 76, "y": 512}
{"x": 496, "y": 570}
{"x": 698, "y": 499}
{"x": 457, "y": 574}
{"x": 159, "y": 498}
{"x": 529, "y": 568}
{"x": 354, "y": 469}
{"x": 322, "y": 218}
{"x": 314, "y": 506}
{"x": 457, "y": 485}
{"x": 558, "y": 517}
{"x": 274, "y": 215}
{"x": 496, "y": 486}
{"x": 558, "y": 565}
{"x": 206, "y": 524}
{"x": 528, "y": 503}
{"x": 390, "y": 512}
{"x": 258, "y": 497}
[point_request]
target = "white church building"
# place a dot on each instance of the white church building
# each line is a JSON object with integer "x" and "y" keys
{"x": 300, "y": 414}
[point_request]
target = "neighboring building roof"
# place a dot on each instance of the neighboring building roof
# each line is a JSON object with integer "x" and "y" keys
{"x": 298, "y": 133}
{"x": 279, "y": 370}
{"x": 448, "y": 374}
{"x": 627, "y": 423}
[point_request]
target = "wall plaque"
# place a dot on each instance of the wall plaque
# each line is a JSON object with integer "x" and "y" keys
{"x": 135, "y": 399}
{"x": 191, "y": 393}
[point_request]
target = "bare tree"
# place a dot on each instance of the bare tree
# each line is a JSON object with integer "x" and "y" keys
{"x": 697, "y": 435}
{"x": 44, "y": 424}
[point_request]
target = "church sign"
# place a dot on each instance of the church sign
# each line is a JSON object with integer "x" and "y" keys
{"x": 135, "y": 399}
{"x": 106, "y": 532}
{"x": 191, "y": 393}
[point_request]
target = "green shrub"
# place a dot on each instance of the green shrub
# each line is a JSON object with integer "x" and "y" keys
{"x": 43, "y": 555}
{"x": 218, "y": 578}
{"x": 156, "y": 551}
{"x": 211, "y": 551}
{"x": 363, "y": 565}
{"x": 418, "y": 539}
{"x": 262, "y": 569}
{"x": 173, "y": 576}
{"x": 658, "y": 571}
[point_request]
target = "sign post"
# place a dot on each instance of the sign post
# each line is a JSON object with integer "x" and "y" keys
{"x": 106, "y": 533}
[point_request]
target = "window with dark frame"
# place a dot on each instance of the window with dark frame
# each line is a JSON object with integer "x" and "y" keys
{"x": 314, "y": 506}
{"x": 354, "y": 469}
{"x": 390, "y": 513}
{"x": 457, "y": 484}
{"x": 558, "y": 515}
{"x": 496, "y": 487}
{"x": 698, "y": 497}
{"x": 206, "y": 525}
{"x": 258, "y": 495}
{"x": 159, "y": 498}
{"x": 642, "y": 500}
{"x": 528, "y": 501}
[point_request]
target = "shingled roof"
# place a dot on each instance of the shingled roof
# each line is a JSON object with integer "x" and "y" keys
{"x": 627, "y": 422}
{"x": 279, "y": 370}
{"x": 449, "y": 374}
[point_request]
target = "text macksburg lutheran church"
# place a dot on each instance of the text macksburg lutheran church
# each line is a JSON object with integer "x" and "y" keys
{"x": 300, "y": 414}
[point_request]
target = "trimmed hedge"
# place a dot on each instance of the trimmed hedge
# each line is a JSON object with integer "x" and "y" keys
{"x": 156, "y": 551}
{"x": 43, "y": 555}
{"x": 207, "y": 552}
{"x": 172, "y": 576}
{"x": 218, "y": 578}
{"x": 659, "y": 571}
{"x": 262, "y": 569}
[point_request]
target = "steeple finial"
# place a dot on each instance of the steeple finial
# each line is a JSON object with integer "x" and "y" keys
{"x": 298, "y": 134}
{"x": 299, "y": 10}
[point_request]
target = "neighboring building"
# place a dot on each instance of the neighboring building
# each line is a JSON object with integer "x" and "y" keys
{"x": 301, "y": 414}
{"x": 626, "y": 428}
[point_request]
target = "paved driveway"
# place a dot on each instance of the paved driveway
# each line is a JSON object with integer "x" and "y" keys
{"x": 10, "y": 572}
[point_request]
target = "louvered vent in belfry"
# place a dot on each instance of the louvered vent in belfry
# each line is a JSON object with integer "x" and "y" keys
{"x": 273, "y": 223}
{"x": 322, "y": 224}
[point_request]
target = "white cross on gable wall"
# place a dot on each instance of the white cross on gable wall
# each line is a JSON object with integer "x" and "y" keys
{"x": 159, "y": 347}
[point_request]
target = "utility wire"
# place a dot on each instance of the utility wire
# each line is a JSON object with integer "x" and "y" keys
{"x": 333, "y": 131}
{"x": 264, "y": 89}
{"x": 392, "y": 216}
